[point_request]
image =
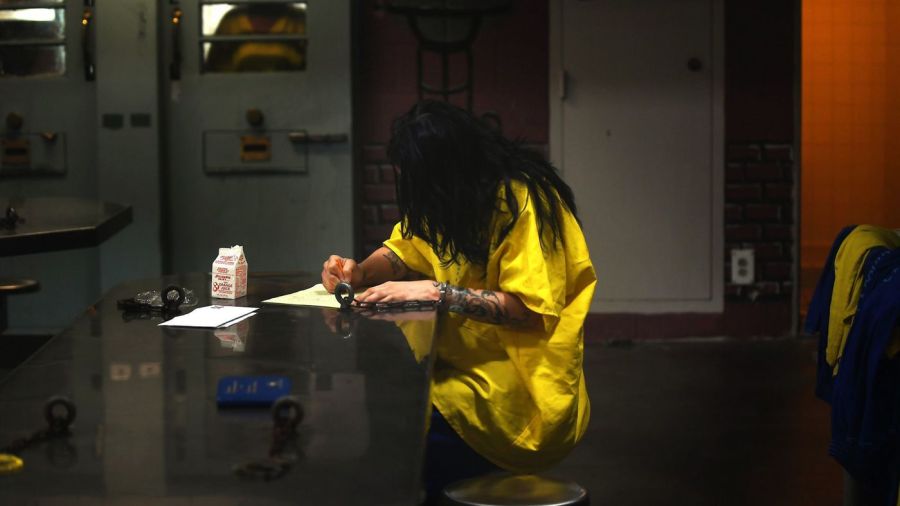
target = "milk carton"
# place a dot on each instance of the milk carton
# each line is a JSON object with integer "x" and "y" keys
{"x": 229, "y": 273}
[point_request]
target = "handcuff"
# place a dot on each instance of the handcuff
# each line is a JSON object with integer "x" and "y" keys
{"x": 343, "y": 292}
{"x": 59, "y": 413}
{"x": 166, "y": 302}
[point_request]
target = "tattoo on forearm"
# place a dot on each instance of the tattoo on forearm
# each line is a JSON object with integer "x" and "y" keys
{"x": 412, "y": 275}
{"x": 397, "y": 266}
{"x": 483, "y": 306}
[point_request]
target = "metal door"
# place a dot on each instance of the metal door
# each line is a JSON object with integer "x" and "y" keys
{"x": 637, "y": 128}
{"x": 48, "y": 145}
{"x": 258, "y": 132}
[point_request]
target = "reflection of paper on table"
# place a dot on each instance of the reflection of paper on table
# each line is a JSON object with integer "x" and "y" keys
{"x": 211, "y": 317}
{"x": 313, "y": 296}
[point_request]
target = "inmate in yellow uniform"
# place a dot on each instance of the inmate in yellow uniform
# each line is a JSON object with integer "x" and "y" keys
{"x": 516, "y": 396}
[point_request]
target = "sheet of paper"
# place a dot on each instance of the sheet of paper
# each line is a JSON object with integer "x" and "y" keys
{"x": 211, "y": 317}
{"x": 312, "y": 296}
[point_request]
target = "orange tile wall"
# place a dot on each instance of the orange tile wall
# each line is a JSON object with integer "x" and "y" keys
{"x": 850, "y": 145}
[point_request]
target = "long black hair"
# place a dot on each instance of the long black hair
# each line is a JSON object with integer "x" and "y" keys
{"x": 450, "y": 168}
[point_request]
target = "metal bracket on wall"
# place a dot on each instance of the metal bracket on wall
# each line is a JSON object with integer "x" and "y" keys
{"x": 445, "y": 28}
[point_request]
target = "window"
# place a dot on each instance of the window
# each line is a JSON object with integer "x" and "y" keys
{"x": 253, "y": 37}
{"x": 32, "y": 38}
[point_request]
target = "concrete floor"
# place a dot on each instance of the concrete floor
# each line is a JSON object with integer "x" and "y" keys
{"x": 709, "y": 422}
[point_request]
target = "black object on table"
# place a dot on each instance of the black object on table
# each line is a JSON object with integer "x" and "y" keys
{"x": 148, "y": 427}
{"x": 59, "y": 223}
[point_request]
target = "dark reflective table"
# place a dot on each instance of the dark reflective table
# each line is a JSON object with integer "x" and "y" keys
{"x": 58, "y": 223}
{"x": 148, "y": 430}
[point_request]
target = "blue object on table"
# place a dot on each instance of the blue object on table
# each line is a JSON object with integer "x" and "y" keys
{"x": 251, "y": 391}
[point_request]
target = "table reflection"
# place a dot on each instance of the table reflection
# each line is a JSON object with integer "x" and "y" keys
{"x": 148, "y": 424}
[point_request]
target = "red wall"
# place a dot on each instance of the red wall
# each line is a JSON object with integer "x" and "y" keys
{"x": 510, "y": 71}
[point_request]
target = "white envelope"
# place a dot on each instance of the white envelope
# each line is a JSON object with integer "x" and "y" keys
{"x": 211, "y": 317}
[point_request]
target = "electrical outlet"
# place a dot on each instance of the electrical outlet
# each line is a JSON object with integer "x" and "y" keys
{"x": 742, "y": 266}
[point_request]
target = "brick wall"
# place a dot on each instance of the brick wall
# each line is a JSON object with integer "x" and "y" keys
{"x": 759, "y": 187}
{"x": 379, "y": 208}
{"x": 511, "y": 58}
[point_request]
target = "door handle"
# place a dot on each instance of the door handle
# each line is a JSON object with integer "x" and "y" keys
{"x": 305, "y": 138}
{"x": 175, "y": 65}
{"x": 87, "y": 44}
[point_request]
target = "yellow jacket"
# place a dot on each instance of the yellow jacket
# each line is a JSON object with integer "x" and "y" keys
{"x": 848, "y": 281}
{"x": 516, "y": 396}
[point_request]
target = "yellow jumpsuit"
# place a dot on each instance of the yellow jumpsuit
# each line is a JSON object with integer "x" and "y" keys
{"x": 516, "y": 396}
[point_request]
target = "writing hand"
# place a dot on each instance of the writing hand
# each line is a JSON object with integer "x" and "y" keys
{"x": 337, "y": 269}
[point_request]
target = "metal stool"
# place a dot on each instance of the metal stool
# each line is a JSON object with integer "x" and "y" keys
{"x": 505, "y": 489}
{"x": 12, "y": 286}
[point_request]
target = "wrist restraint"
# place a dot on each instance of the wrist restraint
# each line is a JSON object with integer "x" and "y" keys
{"x": 345, "y": 296}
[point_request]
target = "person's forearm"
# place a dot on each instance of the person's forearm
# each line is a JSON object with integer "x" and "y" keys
{"x": 487, "y": 305}
{"x": 384, "y": 265}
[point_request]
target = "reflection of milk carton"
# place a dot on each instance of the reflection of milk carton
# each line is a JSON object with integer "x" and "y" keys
{"x": 234, "y": 336}
{"x": 229, "y": 273}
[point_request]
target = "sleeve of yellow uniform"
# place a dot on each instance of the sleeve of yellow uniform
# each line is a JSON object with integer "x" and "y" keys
{"x": 524, "y": 269}
{"x": 414, "y": 252}
{"x": 557, "y": 282}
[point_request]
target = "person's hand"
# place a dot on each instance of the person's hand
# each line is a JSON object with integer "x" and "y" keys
{"x": 330, "y": 317}
{"x": 401, "y": 291}
{"x": 337, "y": 269}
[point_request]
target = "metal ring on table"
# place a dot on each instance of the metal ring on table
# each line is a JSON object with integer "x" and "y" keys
{"x": 172, "y": 297}
{"x": 287, "y": 411}
{"x": 343, "y": 292}
{"x": 59, "y": 421}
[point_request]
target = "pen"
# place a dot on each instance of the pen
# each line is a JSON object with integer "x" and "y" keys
{"x": 340, "y": 263}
